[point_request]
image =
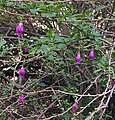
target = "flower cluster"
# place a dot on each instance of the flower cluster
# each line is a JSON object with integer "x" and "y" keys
{"x": 19, "y": 32}
{"x": 91, "y": 57}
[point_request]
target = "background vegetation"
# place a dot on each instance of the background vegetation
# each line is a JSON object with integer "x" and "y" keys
{"x": 54, "y": 33}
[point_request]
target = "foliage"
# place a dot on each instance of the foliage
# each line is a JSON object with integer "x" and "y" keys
{"x": 54, "y": 33}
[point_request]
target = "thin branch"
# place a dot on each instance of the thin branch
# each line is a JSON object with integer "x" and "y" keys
{"x": 59, "y": 1}
{"x": 39, "y": 117}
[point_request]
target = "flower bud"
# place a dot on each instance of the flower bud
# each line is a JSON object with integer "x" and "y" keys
{"x": 22, "y": 98}
{"x": 25, "y": 50}
{"x": 78, "y": 58}
{"x": 91, "y": 55}
{"x": 112, "y": 81}
{"x": 19, "y": 29}
{"x": 21, "y": 72}
{"x": 74, "y": 107}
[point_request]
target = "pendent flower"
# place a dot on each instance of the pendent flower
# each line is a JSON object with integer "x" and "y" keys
{"x": 78, "y": 58}
{"x": 74, "y": 107}
{"x": 22, "y": 98}
{"x": 22, "y": 72}
{"x": 112, "y": 81}
{"x": 19, "y": 29}
{"x": 25, "y": 50}
{"x": 91, "y": 55}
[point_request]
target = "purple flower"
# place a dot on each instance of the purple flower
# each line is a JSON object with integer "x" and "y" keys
{"x": 22, "y": 98}
{"x": 74, "y": 107}
{"x": 112, "y": 81}
{"x": 78, "y": 58}
{"x": 91, "y": 55}
{"x": 25, "y": 50}
{"x": 19, "y": 29}
{"x": 22, "y": 72}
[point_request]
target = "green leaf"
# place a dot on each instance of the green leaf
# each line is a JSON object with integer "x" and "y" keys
{"x": 67, "y": 115}
{"x": 58, "y": 38}
{"x": 54, "y": 97}
{"x": 50, "y": 57}
{"x": 41, "y": 84}
{"x": 51, "y": 33}
{"x": 101, "y": 7}
{"x": 2, "y": 74}
{"x": 2, "y": 42}
{"x": 33, "y": 11}
{"x": 61, "y": 46}
{"x": 48, "y": 15}
{"x": 97, "y": 71}
{"x": 96, "y": 33}
{"x": 44, "y": 47}
{"x": 10, "y": 3}
{"x": 113, "y": 75}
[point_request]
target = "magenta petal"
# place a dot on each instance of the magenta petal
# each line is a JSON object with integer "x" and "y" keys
{"x": 22, "y": 72}
{"x": 78, "y": 59}
{"x": 74, "y": 107}
{"x": 91, "y": 55}
{"x": 25, "y": 50}
{"x": 19, "y": 29}
{"x": 22, "y": 98}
